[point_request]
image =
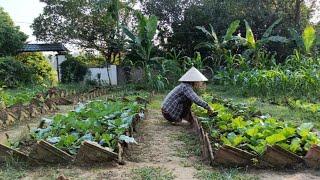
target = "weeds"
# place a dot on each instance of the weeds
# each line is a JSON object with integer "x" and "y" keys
{"x": 152, "y": 173}
{"x": 191, "y": 147}
{"x": 229, "y": 174}
{"x": 12, "y": 169}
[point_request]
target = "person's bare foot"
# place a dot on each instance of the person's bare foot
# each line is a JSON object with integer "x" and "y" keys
{"x": 178, "y": 123}
{"x": 174, "y": 123}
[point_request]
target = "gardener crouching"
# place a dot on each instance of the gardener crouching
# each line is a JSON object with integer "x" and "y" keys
{"x": 177, "y": 104}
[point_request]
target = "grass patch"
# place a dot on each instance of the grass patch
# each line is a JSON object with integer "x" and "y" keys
{"x": 156, "y": 102}
{"x": 230, "y": 174}
{"x": 191, "y": 145}
{"x": 151, "y": 173}
{"x": 12, "y": 170}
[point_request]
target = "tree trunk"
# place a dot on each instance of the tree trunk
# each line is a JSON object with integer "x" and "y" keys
{"x": 298, "y": 13}
{"x": 109, "y": 59}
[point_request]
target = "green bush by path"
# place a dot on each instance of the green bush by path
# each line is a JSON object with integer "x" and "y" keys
{"x": 25, "y": 70}
{"x": 41, "y": 70}
{"x": 73, "y": 71}
{"x": 14, "y": 73}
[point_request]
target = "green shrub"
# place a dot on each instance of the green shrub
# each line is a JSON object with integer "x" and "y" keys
{"x": 72, "y": 70}
{"x": 14, "y": 73}
{"x": 91, "y": 60}
{"x": 42, "y": 71}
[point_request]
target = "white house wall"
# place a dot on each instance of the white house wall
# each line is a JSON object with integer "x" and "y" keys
{"x": 93, "y": 74}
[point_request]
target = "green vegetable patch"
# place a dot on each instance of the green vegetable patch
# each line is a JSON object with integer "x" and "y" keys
{"x": 244, "y": 127}
{"x": 103, "y": 122}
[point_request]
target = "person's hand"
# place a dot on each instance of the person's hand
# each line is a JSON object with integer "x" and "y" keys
{"x": 212, "y": 113}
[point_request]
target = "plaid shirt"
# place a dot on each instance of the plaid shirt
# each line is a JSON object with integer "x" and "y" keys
{"x": 182, "y": 94}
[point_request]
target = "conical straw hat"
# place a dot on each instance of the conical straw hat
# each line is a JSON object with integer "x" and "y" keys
{"x": 193, "y": 75}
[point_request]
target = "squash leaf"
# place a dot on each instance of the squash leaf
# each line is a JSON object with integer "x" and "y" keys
{"x": 273, "y": 139}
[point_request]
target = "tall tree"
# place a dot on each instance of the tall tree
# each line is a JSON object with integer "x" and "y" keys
{"x": 11, "y": 38}
{"x": 93, "y": 24}
{"x": 168, "y": 12}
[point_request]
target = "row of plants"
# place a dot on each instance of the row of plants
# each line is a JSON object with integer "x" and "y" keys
{"x": 19, "y": 96}
{"x": 275, "y": 82}
{"x": 303, "y": 105}
{"x": 244, "y": 127}
{"x": 239, "y": 60}
{"x": 103, "y": 122}
{"x": 23, "y": 95}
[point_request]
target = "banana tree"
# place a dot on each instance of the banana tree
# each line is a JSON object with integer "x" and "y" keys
{"x": 220, "y": 47}
{"x": 307, "y": 40}
{"x": 142, "y": 41}
{"x": 142, "y": 44}
{"x": 256, "y": 47}
{"x": 215, "y": 44}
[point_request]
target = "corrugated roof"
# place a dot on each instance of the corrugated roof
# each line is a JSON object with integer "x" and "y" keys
{"x": 44, "y": 47}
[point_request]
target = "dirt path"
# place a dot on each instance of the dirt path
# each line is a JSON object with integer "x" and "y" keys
{"x": 160, "y": 148}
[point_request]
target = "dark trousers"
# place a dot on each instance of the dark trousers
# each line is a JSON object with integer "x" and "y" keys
{"x": 186, "y": 114}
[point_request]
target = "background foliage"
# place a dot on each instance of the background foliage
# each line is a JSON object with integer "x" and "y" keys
{"x": 72, "y": 70}
{"x": 14, "y": 73}
{"x": 11, "y": 38}
{"x": 40, "y": 68}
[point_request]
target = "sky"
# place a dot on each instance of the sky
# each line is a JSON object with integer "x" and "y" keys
{"x": 24, "y": 11}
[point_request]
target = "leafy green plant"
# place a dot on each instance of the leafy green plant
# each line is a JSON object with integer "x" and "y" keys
{"x": 219, "y": 48}
{"x": 237, "y": 125}
{"x": 306, "y": 41}
{"x": 215, "y": 44}
{"x": 101, "y": 122}
{"x": 142, "y": 42}
{"x": 255, "y": 54}
{"x": 256, "y": 46}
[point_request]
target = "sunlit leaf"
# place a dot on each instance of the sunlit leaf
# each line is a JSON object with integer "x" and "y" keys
{"x": 250, "y": 36}
{"x": 309, "y": 37}
{"x": 275, "y": 138}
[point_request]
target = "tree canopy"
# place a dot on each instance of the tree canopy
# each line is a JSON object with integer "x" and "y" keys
{"x": 89, "y": 24}
{"x": 11, "y": 38}
{"x": 182, "y": 16}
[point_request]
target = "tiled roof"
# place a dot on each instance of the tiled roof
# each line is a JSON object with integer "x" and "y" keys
{"x": 43, "y": 47}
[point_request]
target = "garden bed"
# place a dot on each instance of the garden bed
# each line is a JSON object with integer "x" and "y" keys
{"x": 95, "y": 132}
{"x": 220, "y": 145}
